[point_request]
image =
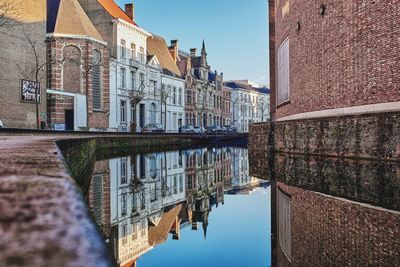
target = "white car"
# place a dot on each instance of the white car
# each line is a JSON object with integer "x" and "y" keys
{"x": 1, "y": 124}
{"x": 199, "y": 130}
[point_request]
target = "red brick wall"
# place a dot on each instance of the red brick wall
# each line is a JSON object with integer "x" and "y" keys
{"x": 347, "y": 57}
{"x": 331, "y": 232}
{"x": 65, "y": 79}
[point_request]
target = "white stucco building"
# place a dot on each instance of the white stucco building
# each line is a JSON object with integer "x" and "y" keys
{"x": 249, "y": 104}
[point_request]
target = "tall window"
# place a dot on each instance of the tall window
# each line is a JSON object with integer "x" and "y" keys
{"x": 123, "y": 49}
{"x": 174, "y": 97}
{"x": 123, "y": 111}
{"x": 123, "y": 77}
{"x": 133, "y": 80}
{"x": 133, "y": 51}
{"x": 180, "y": 97}
{"x": 153, "y": 88}
{"x": 96, "y": 81}
{"x": 142, "y": 55}
{"x": 141, "y": 81}
{"x": 283, "y": 72}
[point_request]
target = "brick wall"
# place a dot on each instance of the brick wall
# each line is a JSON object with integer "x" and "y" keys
{"x": 347, "y": 57}
{"x": 17, "y": 62}
{"x": 332, "y": 232}
{"x": 63, "y": 75}
{"x": 367, "y": 136}
{"x": 373, "y": 136}
{"x": 258, "y": 136}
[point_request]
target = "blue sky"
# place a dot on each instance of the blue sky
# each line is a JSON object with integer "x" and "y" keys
{"x": 235, "y": 31}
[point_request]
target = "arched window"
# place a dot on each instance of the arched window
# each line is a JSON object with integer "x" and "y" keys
{"x": 72, "y": 69}
{"x": 96, "y": 80}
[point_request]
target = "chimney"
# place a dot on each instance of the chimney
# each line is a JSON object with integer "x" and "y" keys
{"x": 193, "y": 52}
{"x": 130, "y": 11}
{"x": 173, "y": 49}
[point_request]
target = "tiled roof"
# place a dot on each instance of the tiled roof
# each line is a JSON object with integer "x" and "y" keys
{"x": 157, "y": 46}
{"x": 70, "y": 19}
{"x": 115, "y": 11}
{"x": 159, "y": 234}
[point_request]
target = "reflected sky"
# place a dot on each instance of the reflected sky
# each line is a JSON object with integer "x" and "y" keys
{"x": 197, "y": 207}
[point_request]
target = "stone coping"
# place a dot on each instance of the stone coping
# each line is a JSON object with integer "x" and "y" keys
{"x": 44, "y": 220}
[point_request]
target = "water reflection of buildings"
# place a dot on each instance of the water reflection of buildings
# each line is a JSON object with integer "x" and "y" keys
{"x": 139, "y": 200}
{"x": 335, "y": 212}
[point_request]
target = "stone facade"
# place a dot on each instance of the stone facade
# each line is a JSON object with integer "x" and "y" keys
{"x": 338, "y": 56}
{"x": 17, "y": 62}
{"x": 368, "y": 136}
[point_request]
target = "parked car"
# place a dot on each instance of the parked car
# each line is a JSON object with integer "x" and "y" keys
{"x": 153, "y": 128}
{"x": 213, "y": 130}
{"x": 199, "y": 129}
{"x": 1, "y": 124}
{"x": 186, "y": 129}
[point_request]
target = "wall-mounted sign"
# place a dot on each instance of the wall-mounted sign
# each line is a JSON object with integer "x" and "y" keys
{"x": 28, "y": 91}
{"x": 59, "y": 127}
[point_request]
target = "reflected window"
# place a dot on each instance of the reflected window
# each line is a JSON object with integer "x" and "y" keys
{"x": 124, "y": 233}
{"x": 124, "y": 171}
{"x": 284, "y": 205}
{"x": 123, "y": 204}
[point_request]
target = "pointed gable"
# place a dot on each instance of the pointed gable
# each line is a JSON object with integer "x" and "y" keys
{"x": 157, "y": 46}
{"x": 115, "y": 11}
{"x": 71, "y": 19}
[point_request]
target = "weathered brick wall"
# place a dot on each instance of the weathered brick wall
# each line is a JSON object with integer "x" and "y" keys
{"x": 373, "y": 136}
{"x": 258, "y": 136}
{"x": 347, "y": 57}
{"x": 332, "y": 232}
{"x": 17, "y": 62}
{"x": 62, "y": 75}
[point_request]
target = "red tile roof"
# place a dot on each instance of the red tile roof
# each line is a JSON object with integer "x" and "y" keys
{"x": 115, "y": 11}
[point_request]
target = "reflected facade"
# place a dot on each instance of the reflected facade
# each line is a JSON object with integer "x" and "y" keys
{"x": 335, "y": 212}
{"x": 139, "y": 201}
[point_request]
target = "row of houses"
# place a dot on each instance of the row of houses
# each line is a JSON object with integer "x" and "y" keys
{"x": 138, "y": 201}
{"x": 96, "y": 69}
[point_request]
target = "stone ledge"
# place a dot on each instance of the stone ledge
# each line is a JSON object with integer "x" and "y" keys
{"x": 43, "y": 217}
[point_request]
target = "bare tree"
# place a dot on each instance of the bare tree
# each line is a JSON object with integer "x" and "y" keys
{"x": 136, "y": 96}
{"x": 35, "y": 71}
{"x": 164, "y": 95}
{"x": 8, "y": 13}
{"x": 262, "y": 107}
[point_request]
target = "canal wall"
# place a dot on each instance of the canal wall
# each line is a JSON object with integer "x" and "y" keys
{"x": 375, "y": 136}
{"x": 44, "y": 219}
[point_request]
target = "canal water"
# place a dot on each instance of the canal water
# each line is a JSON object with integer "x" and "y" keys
{"x": 224, "y": 206}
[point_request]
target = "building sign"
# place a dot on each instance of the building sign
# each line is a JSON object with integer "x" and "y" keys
{"x": 28, "y": 91}
{"x": 59, "y": 127}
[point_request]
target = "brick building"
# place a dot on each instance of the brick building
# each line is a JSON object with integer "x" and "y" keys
{"x": 331, "y": 58}
{"x": 24, "y": 20}
{"x": 203, "y": 105}
{"x": 335, "y": 59}
{"x": 78, "y": 70}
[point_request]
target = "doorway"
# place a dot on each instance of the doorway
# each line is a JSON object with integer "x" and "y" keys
{"x": 69, "y": 119}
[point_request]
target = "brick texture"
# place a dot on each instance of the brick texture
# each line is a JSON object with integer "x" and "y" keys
{"x": 347, "y": 57}
{"x": 71, "y": 59}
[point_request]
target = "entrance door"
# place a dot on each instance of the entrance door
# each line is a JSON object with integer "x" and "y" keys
{"x": 69, "y": 119}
